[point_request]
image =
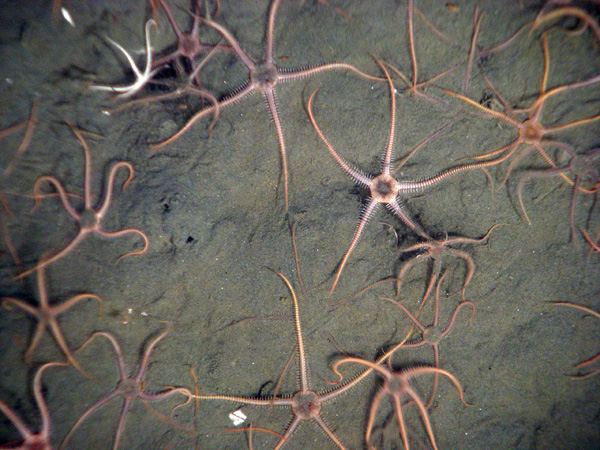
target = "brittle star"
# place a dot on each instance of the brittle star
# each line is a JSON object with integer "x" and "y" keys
{"x": 46, "y": 315}
{"x": 141, "y": 78}
{"x": 129, "y": 387}
{"x": 384, "y": 188}
{"x": 264, "y": 77}
{"x": 397, "y": 385}
{"x": 89, "y": 219}
{"x": 306, "y": 404}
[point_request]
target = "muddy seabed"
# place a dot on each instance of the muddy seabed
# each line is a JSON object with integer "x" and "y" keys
{"x": 213, "y": 210}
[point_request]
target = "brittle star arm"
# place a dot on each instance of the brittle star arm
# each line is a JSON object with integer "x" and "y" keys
{"x": 46, "y": 262}
{"x": 237, "y": 48}
{"x": 413, "y": 261}
{"x": 283, "y": 75}
{"x": 144, "y": 363}
{"x": 398, "y": 209}
{"x": 353, "y": 172}
{"x": 58, "y": 336}
{"x": 272, "y": 105}
{"x": 470, "y": 267}
{"x": 141, "y": 77}
{"x": 87, "y": 171}
{"x": 62, "y": 193}
{"x": 389, "y": 148}
{"x": 31, "y": 123}
{"x": 17, "y": 422}
{"x": 364, "y": 218}
{"x": 110, "y": 185}
{"x": 487, "y": 111}
{"x": 213, "y": 109}
{"x": 291, "y": 74}
{"x": 42, "y": 438}
{"x": 103, "y": 401}
{"x": 119, "y": 233}
{"x": 417, "y": 186}
{"x": 593, "y": 358}
{"x": 588, "y": 21}
{"x": 544, "y": 173}
{"x": 270, "y": 30}
{"x": 594, "y": 246}
{"x": 410, "y": 373}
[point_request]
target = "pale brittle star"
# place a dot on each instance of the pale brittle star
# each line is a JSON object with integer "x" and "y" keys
{"x": 141, "y": 78}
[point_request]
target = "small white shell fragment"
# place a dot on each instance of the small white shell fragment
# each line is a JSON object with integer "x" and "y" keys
{"x": 67, "y": 16}
{"x": 237, "y": 417}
